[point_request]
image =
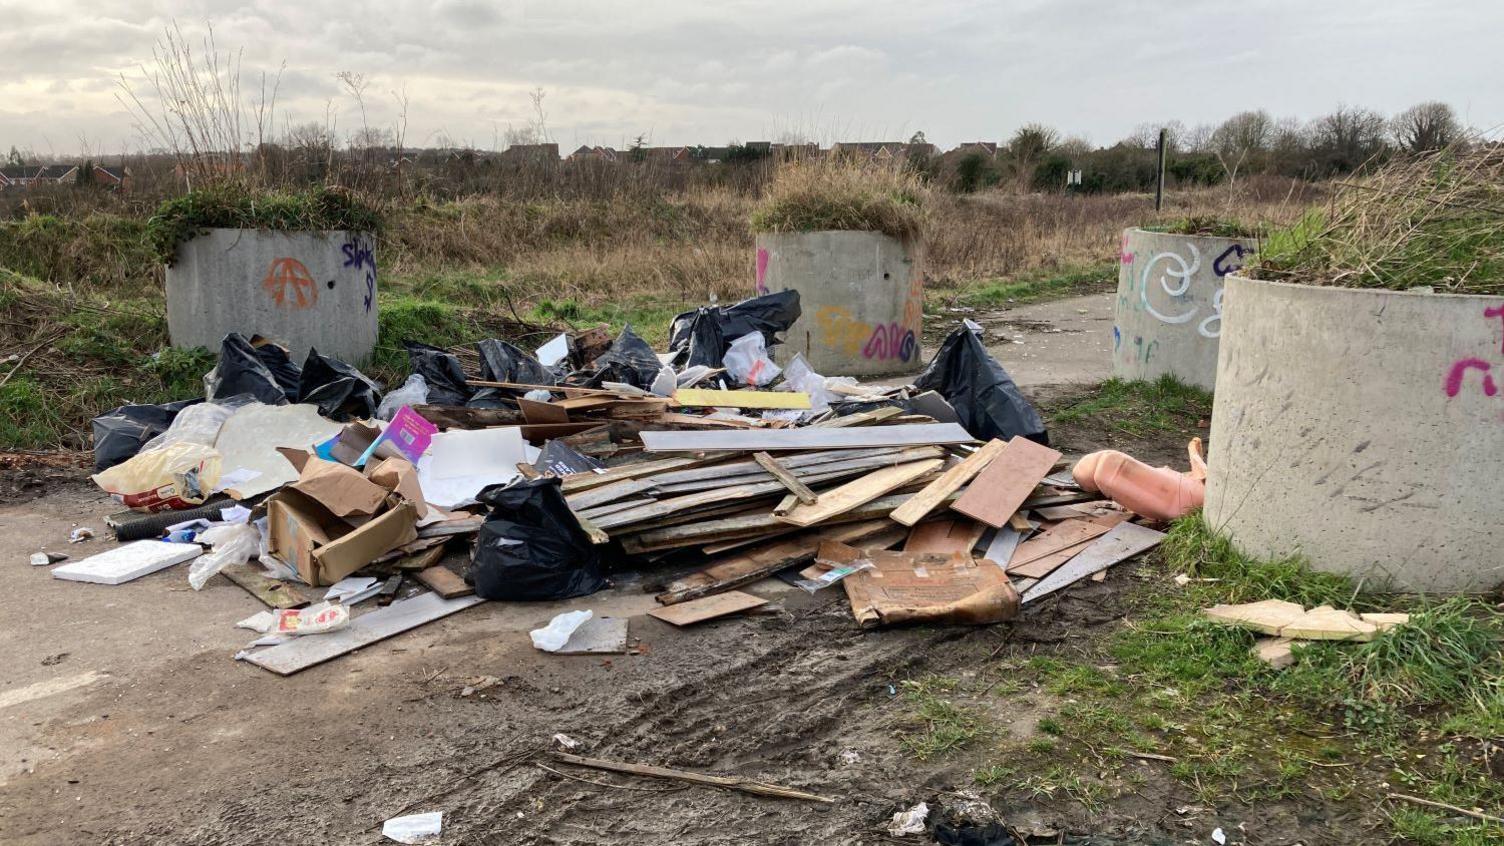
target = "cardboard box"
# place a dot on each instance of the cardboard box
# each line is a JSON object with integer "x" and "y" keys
{"x": 324, "y": 548}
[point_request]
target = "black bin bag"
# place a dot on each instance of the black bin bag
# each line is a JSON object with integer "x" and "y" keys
{"x": 442, "y": 371}
{"x": 504, "y": 362}
{"x": 530, "y": 547}
{"x": 339, "y": 390}
{"x": 121, "y": 432}
{"x": 241, "y": 370}
{"x": 987, "y": 402}
{"x": 630, "y": 360}
{"x": 693, "y": 334}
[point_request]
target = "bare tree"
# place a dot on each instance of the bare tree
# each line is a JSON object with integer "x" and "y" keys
{"x": 355, "y": 84}
{"x": 1425, "y": 127}
{"x": 1347, "y": 138}
{"x": 539, "y": 125}
{"x": 1240, "y": 137}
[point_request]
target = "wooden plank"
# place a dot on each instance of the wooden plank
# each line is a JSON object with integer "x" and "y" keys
{"x": 1044, "y": 565}
{"x": 768, "y": 558}
{"x": 613, "y": 507}
{"x": 861, "y": 418}
{"x": 1123, "y": 542}
{"x": 1052, "y": 540}
{"x": 598, "y": 537}
{"x": 797, "y": 463}
{"x": 274, "y": 592}
{"x": 420, "y": 560}
{"x": 542, "y": 413}
{"x": 859, "y": 491}
{"x": 949, "y": 482}
{"x": 738, "y": 783}
{"x": 584, "y": 481}
{"x": 809, "y": 437}
{"x": 303, "y": 652}
{"x": 707, "y": 608}
{"x": 565, "y": 389}
{"x": 586, "y": 500}
{"x": 1004, "y": 542}
{"x": 699, "y": 398}
{"x": 944, "y": 536}
{"x": 1001, "y": 488}
{"x": 785, "y": 478}
{"x": 444, "y": 582}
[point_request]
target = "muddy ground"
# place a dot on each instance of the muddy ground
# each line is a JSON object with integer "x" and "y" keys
{"x": 124, "y": 719}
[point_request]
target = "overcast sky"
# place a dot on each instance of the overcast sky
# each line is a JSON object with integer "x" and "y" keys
{"x": 710, "y": 72}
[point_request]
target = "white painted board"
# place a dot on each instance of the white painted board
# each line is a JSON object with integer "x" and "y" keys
{"x": 303, "y": 652}
{"x": 124, "y": 563}
{"x": 1124, "y": 541}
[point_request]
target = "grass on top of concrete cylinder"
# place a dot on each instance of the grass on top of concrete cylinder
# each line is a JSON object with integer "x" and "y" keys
{"x": 843, "y": 193}
{"x": 229, "y": 205}
{"x": 1431, "y": 220}
{"x": 1210, "y": 226}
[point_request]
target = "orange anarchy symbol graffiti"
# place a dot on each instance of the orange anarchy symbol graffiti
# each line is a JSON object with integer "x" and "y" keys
{"x": 290, "y": 285}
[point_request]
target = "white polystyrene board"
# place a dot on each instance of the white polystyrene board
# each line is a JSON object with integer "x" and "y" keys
{"x": 554, "y": 351}
{"x": 460, "y": 462}
{"x": 249, "y": 441}
{"x": 124, "y": 563}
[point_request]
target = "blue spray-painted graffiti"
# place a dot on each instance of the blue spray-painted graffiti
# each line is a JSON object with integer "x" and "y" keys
{"x": 1222, "y": 265}
{"x": 360, "y": 253}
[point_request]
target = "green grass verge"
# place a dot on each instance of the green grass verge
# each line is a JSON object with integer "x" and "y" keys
{"x": 1141, "y": 408}
{"x": 1041, "y": 287}
{"x": 1346, "y": 724}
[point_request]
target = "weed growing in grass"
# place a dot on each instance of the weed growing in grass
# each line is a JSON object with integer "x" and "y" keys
{"x": 1138, "y": 408}
{"x": 944, "y": 726}
{"x": 1195, "y": 548}
{"x": 993, "y": 775}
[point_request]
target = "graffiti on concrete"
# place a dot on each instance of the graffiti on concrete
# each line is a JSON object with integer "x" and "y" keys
{"x": 1182, "y": 270}
{"x": 841, "y": 331}
{"x": 1456, "y": 377}
{"x": 1137, "y": 352}
{"x": 290, "y": 285}
{"x": 762, "y": 271}
{"x": 1123, "y": 255}
{"x": 890, "y": 342}
{"x": 1496, "y": 311}
{"x": 1231, "y": 260}
{"x": 360, "y": 253}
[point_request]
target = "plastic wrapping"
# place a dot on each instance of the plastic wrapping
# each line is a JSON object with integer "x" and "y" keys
{"x": 441, "y": 371}
{"x": 240, "y": 370}
{"x": 748, "y": 363}
{"x": 233, "y": 543}
{"x": 179, "y": 475}
{"x": 629, "y": 360}
{"x": 121, "y": 432}
{"x": 552, "y": 637}
{"x": 339, "y": 390}
{"x": 197, "y": 424}
{"x": 413, "y": 392}
{"x": 799, "y": 376}
{"x": 531, "y": 548}
{"x": 984, "y": 396}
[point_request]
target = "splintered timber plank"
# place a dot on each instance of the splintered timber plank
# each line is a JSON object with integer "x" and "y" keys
{"x": 860, "y": 491}
{"x": 303, "y": 652}
{"x": 1123, "y": 542}
{"x": 861, "y": 418}
{"x": 585, "y": 500}
{"x": 1062, "y": 536}
{"x": 765, "y": 559}
{"x": 809, "y": 473}
{"x": 613, "y": 507}
{"x": 785, "y": 478}
{"x": 1004, "y": 484}
{"x": 944, "y": 536}
{"x": 696, "y": 397}
{"x": 707, "y": 608}
{"x": 274, "y": 592}
{"x": 750, "y": 467}
{"x": 1044, "y": 565}
{"x": 584, "y": 481}
{"x": 444, "y": 582}
{"x": 807, "y": 438}
{"x": 949, "y": 482}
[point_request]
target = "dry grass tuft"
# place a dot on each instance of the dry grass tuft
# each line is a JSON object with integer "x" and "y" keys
{"x": 841, "y": 193}
{"x": 1429, "y": 220}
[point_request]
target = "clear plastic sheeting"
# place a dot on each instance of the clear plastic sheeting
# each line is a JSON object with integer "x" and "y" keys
{"x": 552, "y": 637}
{"x": 233, "y": 543}
{"x": 747, "y": 361}
{"x": 413, "y": 392}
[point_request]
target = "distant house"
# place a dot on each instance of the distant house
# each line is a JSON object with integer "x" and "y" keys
{"x": 530, "y": 154}
{"x": 985, "y": 148}
{"x": 795, "y": 151}
{"x": 665, "y": 155}
{"x": 589, "y": 153}
{"x": 117, "y": 178}
{"x": 26, "y": 176}
{"x": 881, "y": 150}
{"x": 709, "y": 154}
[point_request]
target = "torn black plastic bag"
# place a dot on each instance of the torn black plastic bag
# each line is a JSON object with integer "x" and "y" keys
{"x": 706, "y": 344}
{"x": 503, "y": 362}
{"x": 340, "y": 391}
{"x": 241, "y": 371}
{"x": 441, "y": 371}
{"x": 768, "y": 314}
{"x": 629, "y": 360}
{"x": 120, "y": 433}
{"x": 288, "y": 375}
{"x": 984, "y": 396}
{"x": 530, "y": 548}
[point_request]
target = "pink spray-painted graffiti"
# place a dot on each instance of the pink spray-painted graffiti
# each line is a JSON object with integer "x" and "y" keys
{"x": 1123, "y": 255}
{"x": 762, "y": 271}
{"x": 891, "y": 341}
{"x": 1458, "y": 374}
{"x": 1456, "y": 378}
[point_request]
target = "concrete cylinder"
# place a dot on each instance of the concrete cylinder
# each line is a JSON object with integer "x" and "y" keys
{"x": 1169, "y": 307}
{"x": 1363, "y": 429}
{"x": 861, "y": 295}
{"x": 306, "y": 289}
